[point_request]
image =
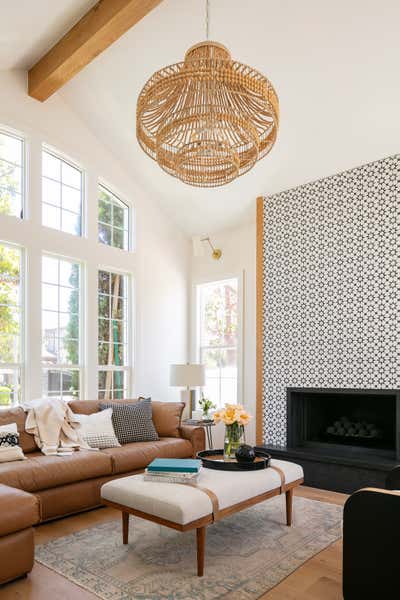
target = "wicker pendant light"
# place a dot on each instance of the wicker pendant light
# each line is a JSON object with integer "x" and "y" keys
{"x": 208, "y": 119}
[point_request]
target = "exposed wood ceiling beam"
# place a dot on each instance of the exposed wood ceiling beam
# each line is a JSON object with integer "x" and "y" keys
{"x": 97, "y": 30}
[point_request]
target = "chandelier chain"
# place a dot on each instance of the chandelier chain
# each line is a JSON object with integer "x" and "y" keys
{"x": 207, "y": 19}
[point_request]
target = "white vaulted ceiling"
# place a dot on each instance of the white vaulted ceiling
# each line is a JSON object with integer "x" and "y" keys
{"x": 335, "y": 66}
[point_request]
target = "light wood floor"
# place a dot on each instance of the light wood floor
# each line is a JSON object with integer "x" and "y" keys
{"x": 319, "y": 578}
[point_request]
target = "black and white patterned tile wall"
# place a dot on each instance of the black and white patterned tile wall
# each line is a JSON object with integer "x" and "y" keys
{"x": 331, "y": 277}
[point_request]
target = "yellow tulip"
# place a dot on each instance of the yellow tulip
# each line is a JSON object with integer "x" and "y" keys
{"x": 217, "y": 416}
{"x": 244, "y": 419}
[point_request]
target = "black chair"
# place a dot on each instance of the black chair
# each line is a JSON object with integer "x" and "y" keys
{"x": 371, "y": 542}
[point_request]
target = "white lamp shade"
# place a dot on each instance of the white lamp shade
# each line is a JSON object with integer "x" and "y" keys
{"x": 187, "y": 375}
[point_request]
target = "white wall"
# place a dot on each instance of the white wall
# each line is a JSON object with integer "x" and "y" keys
{"x": 238, "y": 259}
{"x": 160, "y": 265}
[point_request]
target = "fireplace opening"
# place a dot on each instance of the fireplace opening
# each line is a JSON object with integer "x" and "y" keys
{"x": 344, "y": 422}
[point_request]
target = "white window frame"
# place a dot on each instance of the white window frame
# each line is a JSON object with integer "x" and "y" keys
{"x": 24, "y": 169}
{"x": 111, "y": 190}
{"x": 36, "y": 240}
{"x": 82, "y": 325}
{"x": 20, "y": 366}
{"x": 75, "y": 165}
{"x": 195, "y": 325}
{"x": 130, "y": 327}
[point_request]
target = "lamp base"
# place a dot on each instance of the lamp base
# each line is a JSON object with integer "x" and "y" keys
{"x": 188, "y": 397}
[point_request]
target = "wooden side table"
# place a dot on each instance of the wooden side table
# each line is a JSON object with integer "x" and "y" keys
{"x": 208, "y": 425}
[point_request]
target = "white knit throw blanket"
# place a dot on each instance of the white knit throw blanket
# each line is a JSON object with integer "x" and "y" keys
{"x": 52, "y": 423}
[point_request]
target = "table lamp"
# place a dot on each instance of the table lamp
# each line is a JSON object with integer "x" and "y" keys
{"x": 188, "y": 376}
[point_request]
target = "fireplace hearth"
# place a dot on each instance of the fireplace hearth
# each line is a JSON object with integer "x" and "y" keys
{"x": 345, "y": 439}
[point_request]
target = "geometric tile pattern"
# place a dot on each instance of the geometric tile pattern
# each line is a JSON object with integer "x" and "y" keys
{"x": 331, "y": 281}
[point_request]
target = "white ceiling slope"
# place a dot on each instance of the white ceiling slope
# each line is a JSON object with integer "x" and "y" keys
{"x": 29, "y": 28}
{"x": 335, "y": 66}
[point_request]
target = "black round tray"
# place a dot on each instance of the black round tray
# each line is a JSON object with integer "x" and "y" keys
{"x": 214, "y": 459}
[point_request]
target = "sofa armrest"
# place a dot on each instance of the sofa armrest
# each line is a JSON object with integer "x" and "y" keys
{"x": 371, "y": 539}
{"x": 195, "y": 435}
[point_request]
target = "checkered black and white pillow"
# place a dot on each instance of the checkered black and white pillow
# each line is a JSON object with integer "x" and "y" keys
{"x": 132, "y": 422}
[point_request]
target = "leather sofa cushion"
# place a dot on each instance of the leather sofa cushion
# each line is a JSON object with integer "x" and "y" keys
{"x": 138, "y": 455}
{"x": 39, "y": 472}
{"x": 167, "y": 418}
{"x": 17, "y": 415}
{"x": 18, "y": 510}
{"x": 84, "y": 407}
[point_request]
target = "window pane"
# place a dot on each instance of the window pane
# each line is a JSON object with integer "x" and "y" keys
{"x": 60, "y": 312}
{"x": 112, "y": 385}
{"x": 118, "y": 238}
{"x": 9, "y": 347}
{"x": 50, "y": 269}
{"x": 51, "y": 166}
{"x": 51, "y": 216}
{"x": 11, "y": 175}
{"x": 50, "y": 297}
{"x": 61, "y": 187}
{"x": 10, "y": 386}
{"x": 113, "y": 217}
{"x": 10, "y": 304}
{"x": 62, "y": 383}
{"x": 112, "y": 324}
{"x": 51, "y": 191}
{"x": 70, "y": 222}
{"x": 104, "y": 306}
{"x": 105, "y": 234}
{"x": 104, "y": 282}
{"x": 71, "y": 175}
{"x": 104, "y": 209}
{"x": 71, "y": 199}
{"x": 218, "y": 329}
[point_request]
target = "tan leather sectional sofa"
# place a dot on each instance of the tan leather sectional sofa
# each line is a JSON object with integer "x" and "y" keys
{"x": 58, "y": 486}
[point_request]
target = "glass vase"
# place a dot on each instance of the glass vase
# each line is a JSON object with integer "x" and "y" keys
{"x": 234, "y": 436}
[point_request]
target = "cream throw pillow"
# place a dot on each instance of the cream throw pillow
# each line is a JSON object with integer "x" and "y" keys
{"x": 10, "y": 449}
{"x": 97, "y": 429}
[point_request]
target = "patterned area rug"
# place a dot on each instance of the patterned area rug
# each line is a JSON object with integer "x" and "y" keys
{"x": 246, "y": 554}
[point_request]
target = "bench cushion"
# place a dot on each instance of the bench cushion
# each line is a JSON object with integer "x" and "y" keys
{"x": 138, "y": 455}
{"x": 183, "y": 504}
{"x": 40, "y": 472}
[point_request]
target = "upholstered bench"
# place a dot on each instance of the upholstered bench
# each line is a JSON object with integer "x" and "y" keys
{"x": 19, "y": 511}
{"x": 216, "y": 495}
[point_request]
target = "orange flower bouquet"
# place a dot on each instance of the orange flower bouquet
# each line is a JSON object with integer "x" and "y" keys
{"x": 235, "y": 418}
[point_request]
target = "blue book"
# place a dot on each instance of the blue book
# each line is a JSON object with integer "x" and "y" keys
{"x": 174, "y": 465}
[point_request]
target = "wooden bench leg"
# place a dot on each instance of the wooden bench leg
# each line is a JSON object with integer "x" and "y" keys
{"x": 289, "y": 507}
{"x": 201, "y": 543}
{"x": 125, "y": 527}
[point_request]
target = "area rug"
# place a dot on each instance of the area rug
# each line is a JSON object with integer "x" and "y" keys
{"x": 247, "y": 554}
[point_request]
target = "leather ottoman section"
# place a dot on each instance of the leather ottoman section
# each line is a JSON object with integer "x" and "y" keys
{"x": 18, "y": 510}
{"x": 73, "y": 498}
{"x": 138, "y": 455}
{"x": 16, "y": 554}
{"x": 40, "y": 472}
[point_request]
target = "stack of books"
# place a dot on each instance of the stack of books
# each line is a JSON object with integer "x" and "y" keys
{"x": 173, "y": 470}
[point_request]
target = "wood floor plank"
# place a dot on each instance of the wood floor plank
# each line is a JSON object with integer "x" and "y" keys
{"x": 319, "y": 578}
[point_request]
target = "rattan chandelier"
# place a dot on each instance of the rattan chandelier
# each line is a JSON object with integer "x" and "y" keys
{"x": 208, "y": 119}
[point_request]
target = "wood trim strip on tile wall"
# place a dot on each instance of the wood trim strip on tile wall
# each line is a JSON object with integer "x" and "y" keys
{"x": 259, "y": 321}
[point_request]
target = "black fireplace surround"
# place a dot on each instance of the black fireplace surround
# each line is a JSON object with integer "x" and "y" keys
{"x": 345, "y": 439}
